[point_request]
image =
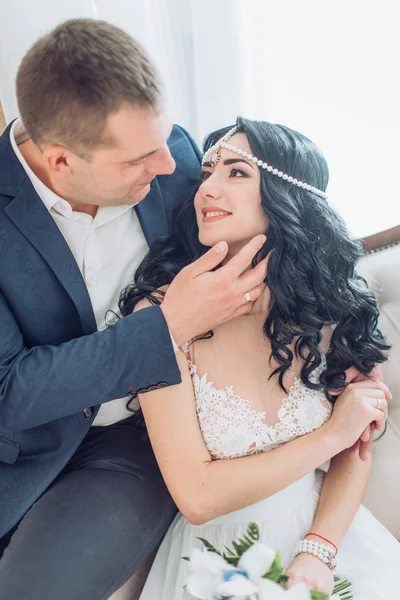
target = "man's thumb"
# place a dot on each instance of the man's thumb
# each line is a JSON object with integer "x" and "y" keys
{"x": 210, "y": 259}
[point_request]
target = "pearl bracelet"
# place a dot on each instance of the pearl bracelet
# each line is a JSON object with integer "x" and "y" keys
{"x": 320, "y": 551}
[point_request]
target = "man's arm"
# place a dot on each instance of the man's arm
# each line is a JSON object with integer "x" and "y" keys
{"x": 46, "y": 383}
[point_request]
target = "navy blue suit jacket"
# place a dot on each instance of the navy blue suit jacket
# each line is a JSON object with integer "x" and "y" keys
{"x": 53, "y": 362}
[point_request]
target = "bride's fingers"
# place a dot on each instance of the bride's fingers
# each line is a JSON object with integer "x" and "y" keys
{"x": 380, "y": 421}
{"x": 370, "y": 387}
{"x": 366, "y": 447}
{"x": 379, "y": 403}
{"x": 376, "y": 387}
{"x": 364, "y": 437}
{"x": 351, "y": 374}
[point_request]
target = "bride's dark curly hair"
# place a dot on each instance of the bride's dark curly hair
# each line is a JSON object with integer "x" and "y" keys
{"x": 311, "y": 269}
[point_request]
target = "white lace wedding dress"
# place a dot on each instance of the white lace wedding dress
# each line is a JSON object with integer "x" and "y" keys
{"x": 369, "y": 556}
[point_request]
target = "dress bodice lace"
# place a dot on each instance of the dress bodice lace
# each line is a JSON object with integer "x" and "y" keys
{"x": 232, "y": 428}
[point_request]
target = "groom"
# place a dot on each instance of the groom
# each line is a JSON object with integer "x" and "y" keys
{"x": 82, "y": 502}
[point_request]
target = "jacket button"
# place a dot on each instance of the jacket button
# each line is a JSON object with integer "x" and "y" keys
{"x": 88, "y": 413}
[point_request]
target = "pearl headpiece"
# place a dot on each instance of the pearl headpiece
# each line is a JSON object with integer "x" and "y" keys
{"x": 213, "y": 156}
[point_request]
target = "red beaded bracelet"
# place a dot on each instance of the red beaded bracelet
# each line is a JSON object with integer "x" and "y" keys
{"x": 323, "y": 538}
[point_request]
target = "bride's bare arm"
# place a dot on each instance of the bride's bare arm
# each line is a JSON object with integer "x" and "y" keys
{"x": 203, "y": 488}
{"x": 341, "y": 494}
{"x": 344, "y": 485}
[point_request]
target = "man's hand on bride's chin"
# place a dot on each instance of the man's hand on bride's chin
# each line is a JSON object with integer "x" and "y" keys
{"x": 202, "y": 297}
{"x": 312, "y": 571}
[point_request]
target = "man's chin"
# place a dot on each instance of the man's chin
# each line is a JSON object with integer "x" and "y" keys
{"x": 140, "y": 193}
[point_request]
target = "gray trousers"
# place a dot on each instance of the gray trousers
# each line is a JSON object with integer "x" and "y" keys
{"x": 98, "y": 521}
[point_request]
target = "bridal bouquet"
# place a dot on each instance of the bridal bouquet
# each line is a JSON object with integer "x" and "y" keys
{"x": 249, "y": 571}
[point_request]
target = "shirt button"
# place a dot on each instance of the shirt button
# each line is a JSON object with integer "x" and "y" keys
{"x": 93, "y": 280}
{"x": 64, "y": 205}
{"x": 88, "y": 413}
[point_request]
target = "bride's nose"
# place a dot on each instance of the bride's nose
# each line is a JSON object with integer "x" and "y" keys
{"x": 210, "y": 191}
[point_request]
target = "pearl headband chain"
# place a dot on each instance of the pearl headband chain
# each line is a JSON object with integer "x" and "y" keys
{"x": 213, "y": 156}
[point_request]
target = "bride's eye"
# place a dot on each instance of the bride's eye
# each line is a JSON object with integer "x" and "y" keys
{"x": 238, "y": 173}
{"x": 205, "y": 175}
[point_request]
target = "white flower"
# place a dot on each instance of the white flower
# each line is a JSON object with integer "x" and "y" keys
{"x": 207, "y": 571}
{"x": 269, "y": 590}
{"x": 253, "y": 564}
{"x": 210, "y": 561}
{"x": 212, "y": 577}
{"x": 257, "y": 560}
{"x": 236, "y": 583}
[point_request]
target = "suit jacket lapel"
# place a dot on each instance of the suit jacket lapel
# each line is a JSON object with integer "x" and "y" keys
{"x": 152, "y": 215}
{"x": 32, "y": 218}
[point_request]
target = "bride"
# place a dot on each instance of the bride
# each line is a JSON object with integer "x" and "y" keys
{"x": 267, "y": 390}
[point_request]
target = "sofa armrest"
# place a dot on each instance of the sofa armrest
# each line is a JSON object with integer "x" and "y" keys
{"x": 381, "y": 268}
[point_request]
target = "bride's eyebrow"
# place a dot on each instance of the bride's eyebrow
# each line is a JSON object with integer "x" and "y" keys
{"x": 232, "y": 161}
{"x": 229, "y": 161}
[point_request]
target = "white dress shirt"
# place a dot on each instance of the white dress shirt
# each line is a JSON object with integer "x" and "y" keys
{"x": 107, "y": 248}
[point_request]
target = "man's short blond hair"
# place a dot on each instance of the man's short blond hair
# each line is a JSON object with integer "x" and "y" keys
{"x": 74, "y": 77}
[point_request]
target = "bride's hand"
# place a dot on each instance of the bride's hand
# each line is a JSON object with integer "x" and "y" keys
{"x": 356, "y": 408}
{"x": 311, "y": 570}
{"x": 366, "y": 438}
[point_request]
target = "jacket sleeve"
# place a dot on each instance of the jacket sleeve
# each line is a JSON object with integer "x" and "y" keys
{"x": 46, "y": 383}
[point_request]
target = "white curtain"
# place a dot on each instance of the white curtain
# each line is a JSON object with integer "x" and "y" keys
{"x": 328, "y": 69}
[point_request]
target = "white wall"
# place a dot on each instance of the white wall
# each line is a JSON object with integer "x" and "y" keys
{"x": 328, "y": 69}
{"x": 23, "y": 21}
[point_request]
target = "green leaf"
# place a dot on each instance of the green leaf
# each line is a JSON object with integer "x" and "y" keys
{"x": 343, "y": 589}
{"x": 276, "y": 570}
{"x": 185, "y": 558}
{"x": 229, "y": 551}
{"x": 253, "y": 531}
{"x": 238, "y": 547}
{"x": 318, "y": 595}
{"x": 209, "y": 546}
{"x": 232, "y": 560}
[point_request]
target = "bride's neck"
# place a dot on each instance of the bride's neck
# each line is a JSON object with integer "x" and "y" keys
{"x": 232, "y": 251}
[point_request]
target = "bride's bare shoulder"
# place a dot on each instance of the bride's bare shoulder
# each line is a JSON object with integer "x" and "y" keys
{"x": 326, "y": 334}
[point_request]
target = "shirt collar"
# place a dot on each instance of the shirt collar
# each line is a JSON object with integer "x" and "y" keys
{"x": 18, "y": 135}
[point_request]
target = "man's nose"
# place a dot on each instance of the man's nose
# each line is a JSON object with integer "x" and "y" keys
{"x": 162, "y": 162}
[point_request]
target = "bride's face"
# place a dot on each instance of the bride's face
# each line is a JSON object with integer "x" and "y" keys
{"x": 231, "y": 187}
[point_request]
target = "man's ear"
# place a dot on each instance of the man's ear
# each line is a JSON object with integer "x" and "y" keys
{"x": 59, "y": 160}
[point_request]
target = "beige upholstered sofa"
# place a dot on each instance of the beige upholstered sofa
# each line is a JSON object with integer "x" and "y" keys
{"x": 381, "y": 268}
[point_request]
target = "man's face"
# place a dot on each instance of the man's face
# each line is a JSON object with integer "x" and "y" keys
{"x": 121, "y": 173}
